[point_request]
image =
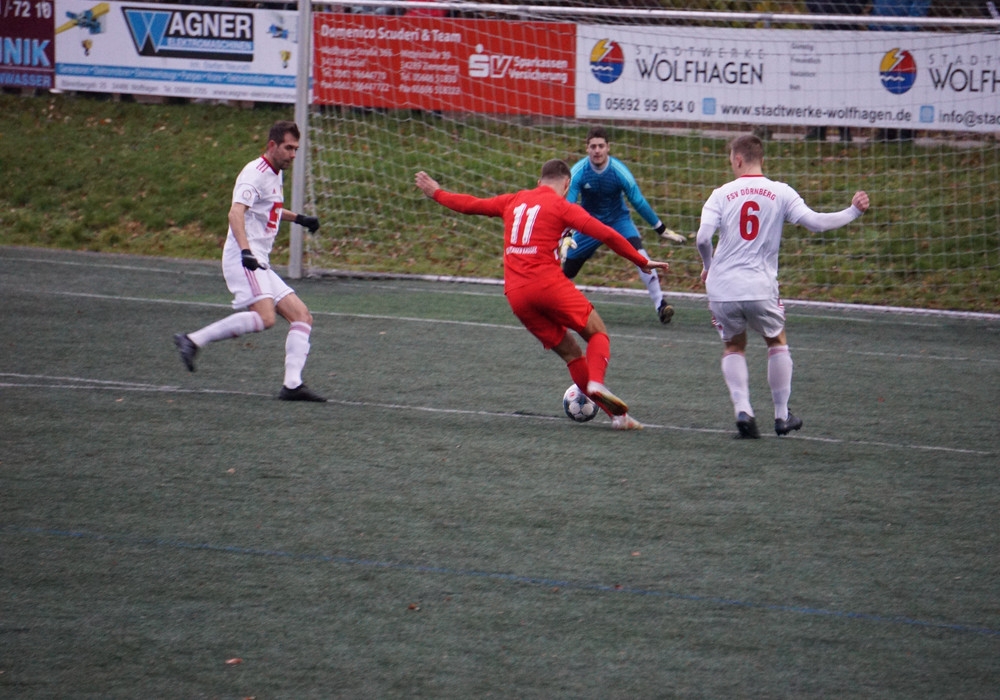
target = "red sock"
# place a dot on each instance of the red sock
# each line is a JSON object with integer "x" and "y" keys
{"x": 598, "y": 356}
{"x": 579, "y": 372}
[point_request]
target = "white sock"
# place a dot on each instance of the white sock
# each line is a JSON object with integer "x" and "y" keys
{"x": 779, "y": 377}
{"x": 652, "y": 282}
{"x": 734, "y": 371}
{"x": 229, "y": 327}
{"x": 296, "y": 352}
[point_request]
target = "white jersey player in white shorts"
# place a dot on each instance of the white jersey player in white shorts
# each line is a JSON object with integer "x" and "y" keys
{"x": 741, "y": 277}
{"x": 259, "y": 294}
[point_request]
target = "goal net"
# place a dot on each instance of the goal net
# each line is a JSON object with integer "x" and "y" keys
{"x": 480, "y": 95}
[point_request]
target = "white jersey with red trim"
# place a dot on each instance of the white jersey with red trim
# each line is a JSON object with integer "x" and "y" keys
{"x": 260, "y": 187}
{"x": 749, "y": 214}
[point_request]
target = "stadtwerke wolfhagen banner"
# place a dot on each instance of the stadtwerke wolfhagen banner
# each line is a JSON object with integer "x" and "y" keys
{"x": 914, "y": 80}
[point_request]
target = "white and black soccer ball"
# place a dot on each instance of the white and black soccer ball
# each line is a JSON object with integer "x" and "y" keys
{"x": 577, "y": 406}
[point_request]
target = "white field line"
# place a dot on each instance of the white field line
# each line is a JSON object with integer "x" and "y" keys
{"x": 190, "y": 269}
{"x": 39, "y": 381}
{"x": 714, "y": 342}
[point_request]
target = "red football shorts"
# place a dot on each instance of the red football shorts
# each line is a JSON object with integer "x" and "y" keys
{"x": 547, "y": 308}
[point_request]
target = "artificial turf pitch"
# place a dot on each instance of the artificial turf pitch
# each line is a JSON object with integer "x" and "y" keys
{"x": 440, "y": 529}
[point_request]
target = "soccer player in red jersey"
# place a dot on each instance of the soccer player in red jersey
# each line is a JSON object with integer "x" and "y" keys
{"x": 539, "y": 294}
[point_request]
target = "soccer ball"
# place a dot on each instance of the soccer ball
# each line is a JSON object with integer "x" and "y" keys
{"x": 578, "y": 406}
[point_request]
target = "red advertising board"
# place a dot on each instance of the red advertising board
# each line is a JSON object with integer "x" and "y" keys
{"x": 452, "y": 65}
{"x": 27, "y": 54}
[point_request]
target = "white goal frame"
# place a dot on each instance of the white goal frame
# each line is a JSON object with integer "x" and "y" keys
{"x": 894, "y": 250}
{"x": 766, "y": 19}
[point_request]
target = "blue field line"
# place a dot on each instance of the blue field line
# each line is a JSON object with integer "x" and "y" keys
{"x": 499, "y": 576}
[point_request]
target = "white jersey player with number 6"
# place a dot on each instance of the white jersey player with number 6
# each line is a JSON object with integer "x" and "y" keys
{"x": 741, "y": 274}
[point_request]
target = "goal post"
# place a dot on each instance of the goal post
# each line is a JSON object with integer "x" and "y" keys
{"x": 299, "y": 165}
{"x": 480, "y": 94}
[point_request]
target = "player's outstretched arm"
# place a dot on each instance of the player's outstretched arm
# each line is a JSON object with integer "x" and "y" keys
{"x": 817, "y": 222}
{"x": 655, "y": 265}
{"x": 577, "y": 218}
{"x": 426, "y": 184}
{"x": 860, "y": 200}
{"x": 462, "y": 203}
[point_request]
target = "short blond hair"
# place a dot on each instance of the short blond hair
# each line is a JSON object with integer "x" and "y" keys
{"x": 749, "y": 146}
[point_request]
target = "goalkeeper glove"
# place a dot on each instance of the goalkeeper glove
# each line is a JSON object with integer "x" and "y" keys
{"x": 669, "y": 234}
{"x": 566, "y": 243}
{"x": 249, "y": 261}
{"x": 309, "y": 222}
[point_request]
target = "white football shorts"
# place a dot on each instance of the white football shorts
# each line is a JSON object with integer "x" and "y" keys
{"x": 764, "y": 316}
{"x": 249, "y": 287}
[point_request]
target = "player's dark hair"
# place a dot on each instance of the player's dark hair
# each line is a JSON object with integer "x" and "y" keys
{"x": 750, "y": 147}
{"x": 597, "y": 132}
{"x": 280, "y": 128}
{"x": 555, "y": 169}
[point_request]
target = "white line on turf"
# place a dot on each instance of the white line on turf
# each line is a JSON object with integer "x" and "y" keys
{"x": 623, "y": 336}
{"x": 189, "y": 268}
{"x": 40, "y": 381}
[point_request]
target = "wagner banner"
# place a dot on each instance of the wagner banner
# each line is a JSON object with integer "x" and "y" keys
{"x": 873, "y": 78}
{"x": 27, "y": 53}
{"x": 462, "y": 65}
{"x": 217, "y": 52}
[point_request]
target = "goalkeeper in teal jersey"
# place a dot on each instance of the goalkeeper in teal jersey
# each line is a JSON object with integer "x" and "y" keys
{"x": 601, "y": 184}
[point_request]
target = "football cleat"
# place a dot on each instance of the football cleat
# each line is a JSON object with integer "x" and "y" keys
{"x": 187, "y": 349}
{"x": 603, "y": 397}
{"x": 747, "y": 427}
{"x": 783, "y": 427}
{"x": 625, "y": 422}
{"x": 300, "y": 393}
{"x": 665, "y": 312}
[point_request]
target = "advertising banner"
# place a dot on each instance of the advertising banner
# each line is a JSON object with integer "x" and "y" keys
{"x": 464, "y": 65}
{"x": 217, "y": 52}
{"x": 27, "y": 52}
{"x": 880, "y": 79}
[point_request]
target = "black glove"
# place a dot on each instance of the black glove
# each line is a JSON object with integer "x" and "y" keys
{"x": 249, "y": 261}
{"x": 310, "y": 222}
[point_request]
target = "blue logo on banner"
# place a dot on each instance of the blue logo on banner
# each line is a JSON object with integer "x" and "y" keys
{"x": 708, "y": 105}
{"x": 147, "y": 29}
